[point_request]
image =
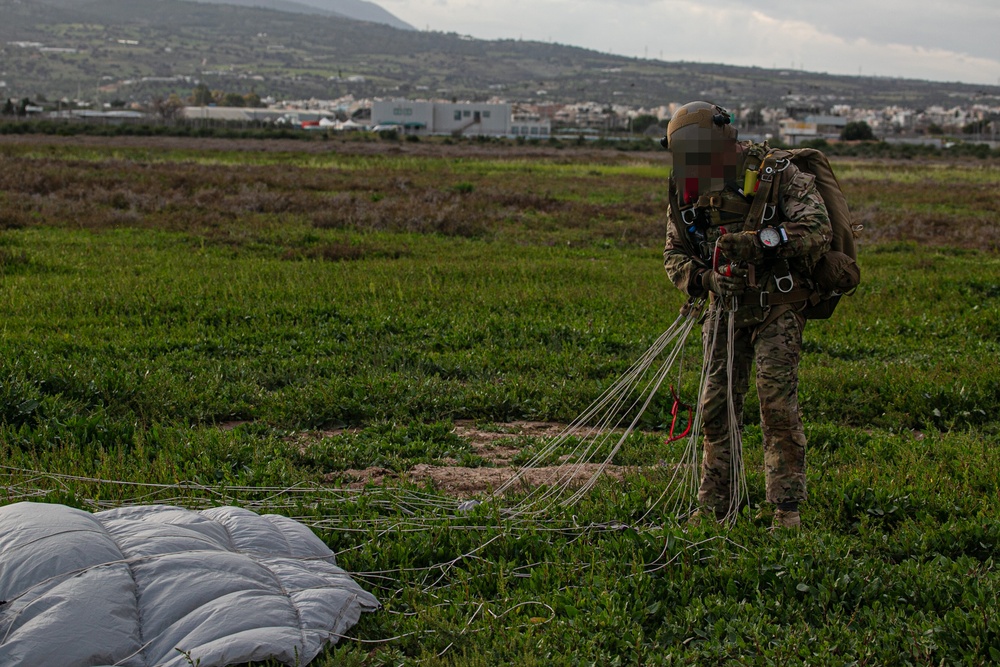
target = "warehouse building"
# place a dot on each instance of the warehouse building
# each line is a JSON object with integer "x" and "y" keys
{"x": 456, "y": 118}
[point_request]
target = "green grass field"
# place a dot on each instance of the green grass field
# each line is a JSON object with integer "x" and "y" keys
{"x": 244, "y": 322}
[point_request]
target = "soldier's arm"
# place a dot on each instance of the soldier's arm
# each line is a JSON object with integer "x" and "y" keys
{"x": 807, "y": 223}
{"x": 681, "y": 267}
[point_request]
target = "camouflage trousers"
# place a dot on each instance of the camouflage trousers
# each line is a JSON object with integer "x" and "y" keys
{"x": 776, "y": 348}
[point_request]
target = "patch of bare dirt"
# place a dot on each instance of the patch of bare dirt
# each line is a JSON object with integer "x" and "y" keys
{"x": 465, "y": 482}
{"x": 496, "y": 444}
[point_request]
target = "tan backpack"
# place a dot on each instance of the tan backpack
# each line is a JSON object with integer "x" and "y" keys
{"x": 837, "y": 272}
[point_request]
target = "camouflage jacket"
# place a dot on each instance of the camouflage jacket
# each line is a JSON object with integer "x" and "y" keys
{"x": 692, "y": 232}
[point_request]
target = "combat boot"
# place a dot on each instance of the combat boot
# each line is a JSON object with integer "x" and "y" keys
{"x": 786, "y": 519}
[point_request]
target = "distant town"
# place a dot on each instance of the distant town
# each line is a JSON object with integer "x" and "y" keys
{"x": 800, "y": 119}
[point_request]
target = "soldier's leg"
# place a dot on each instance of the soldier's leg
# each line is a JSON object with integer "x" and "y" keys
{"x": 715, "y": 491}
{"x": 778, "y": 350}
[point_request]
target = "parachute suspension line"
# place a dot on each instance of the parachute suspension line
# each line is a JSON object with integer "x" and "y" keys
{"x": 738, "y": 491}
{"x": 652, "y": 387}
{"x": 607, "y": 408}
{"x": 694, "y": 450}
{"x": 679, "y": 496}
{"x": 606, "y": 404}
{"x": 599, "y": 425}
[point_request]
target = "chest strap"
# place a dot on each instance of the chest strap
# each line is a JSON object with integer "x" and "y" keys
{"x": 689, "y": 214}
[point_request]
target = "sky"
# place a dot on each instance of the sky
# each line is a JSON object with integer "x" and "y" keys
{"x": 957, "y": 40}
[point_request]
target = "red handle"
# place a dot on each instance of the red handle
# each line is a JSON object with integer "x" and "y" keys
{"x": 726, "y": 269}
{"x": 673, "y": 422}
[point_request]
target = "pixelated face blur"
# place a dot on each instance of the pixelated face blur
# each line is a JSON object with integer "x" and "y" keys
{"x": 704, "y": 161}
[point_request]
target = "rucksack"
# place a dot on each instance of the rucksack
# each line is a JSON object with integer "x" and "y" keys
{"x": 837, "y": 271}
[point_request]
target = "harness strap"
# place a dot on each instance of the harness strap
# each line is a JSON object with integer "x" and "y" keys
{"x": 717, "y": 201}
{"x": 765, "y": 201}
{"x": 768, "y": 299}
{"x": 677, "y": 219}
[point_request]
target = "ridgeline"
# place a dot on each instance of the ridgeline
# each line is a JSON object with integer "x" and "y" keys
{"x": 135, "y": 50}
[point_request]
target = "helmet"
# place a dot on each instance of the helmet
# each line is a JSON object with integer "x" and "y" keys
{"x": 704, "y": 147}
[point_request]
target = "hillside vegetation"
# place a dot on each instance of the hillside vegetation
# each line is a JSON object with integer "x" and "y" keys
{"x": 291, "y": 55}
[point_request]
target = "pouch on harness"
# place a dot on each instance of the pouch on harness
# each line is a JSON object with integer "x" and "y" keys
{"x": 837, "y": 272}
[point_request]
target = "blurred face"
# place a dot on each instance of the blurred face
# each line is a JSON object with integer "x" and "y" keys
{"x": 704, "y": 161}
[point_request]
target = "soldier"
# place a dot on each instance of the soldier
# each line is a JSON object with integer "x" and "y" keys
{"x": 751, "y": 248}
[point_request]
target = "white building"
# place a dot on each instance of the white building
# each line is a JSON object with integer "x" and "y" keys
{"x": 469, "y": 118}
{"x": 529, "y": 125}
{"x": 530, "y": 128}
{"x": 411, "y": 117}
{"x": 793, "y": 132}
{"x": 461, "y": 118}
{"x": 293, "y": 117}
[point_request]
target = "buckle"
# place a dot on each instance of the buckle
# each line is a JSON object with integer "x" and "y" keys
{"x": 709, "y": 201}
{"x": 768, "y": 214}
{"x": 781, "y": 281}
{"x": 764, "y": 305}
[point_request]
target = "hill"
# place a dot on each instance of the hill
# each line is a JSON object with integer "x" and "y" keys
{"x": 359, "y": 10}
{"x": 133, "y": 50}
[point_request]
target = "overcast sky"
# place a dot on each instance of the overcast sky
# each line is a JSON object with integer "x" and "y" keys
{"x": 955, "y": 40}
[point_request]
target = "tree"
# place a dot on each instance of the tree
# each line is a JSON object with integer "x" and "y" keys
{"x": 253, "y": 100}
{"x": 169, "y": 108}
{"x": 233, "y": 100}
{"x": 981, "y": 126}
{"x": 857, "y": 130}
{"x": 610, "y": 117}
{"x": 202, "y": 96}
{"x": 643, "y": 121}
{"x": 753, "y": 118}
{"x": 8, "y": 108}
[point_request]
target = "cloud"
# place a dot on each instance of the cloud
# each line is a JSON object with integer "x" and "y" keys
{"x": 917, "y": 39}
{"x": 814, "y": 49}
{"x": 963, "y": 26}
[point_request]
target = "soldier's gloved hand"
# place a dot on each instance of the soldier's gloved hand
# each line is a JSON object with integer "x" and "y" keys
{"x": 731, "y": 285}
{"x": 741, "y": 246}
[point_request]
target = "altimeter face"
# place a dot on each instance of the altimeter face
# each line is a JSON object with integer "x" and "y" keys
{"x": 770, "y": 237}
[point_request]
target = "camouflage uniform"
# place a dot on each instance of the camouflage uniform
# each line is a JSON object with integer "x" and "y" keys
{"x": 770, "y": 335}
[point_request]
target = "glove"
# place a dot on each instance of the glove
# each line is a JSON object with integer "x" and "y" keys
{"x": 731, "y": 285}
{"x": 741, "y": 247}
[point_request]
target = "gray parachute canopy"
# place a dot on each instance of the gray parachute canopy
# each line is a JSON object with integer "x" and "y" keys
{"x": 157, "y": 585}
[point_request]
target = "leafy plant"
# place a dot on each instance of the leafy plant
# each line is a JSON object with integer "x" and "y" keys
{"x": 185, "y": 329}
